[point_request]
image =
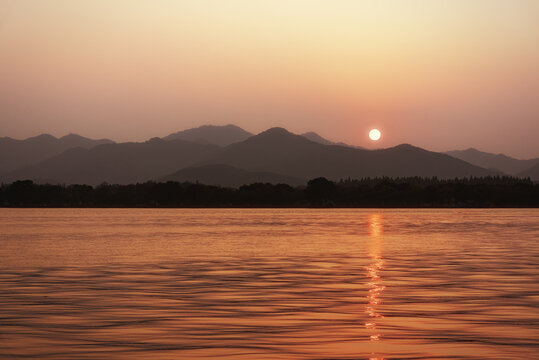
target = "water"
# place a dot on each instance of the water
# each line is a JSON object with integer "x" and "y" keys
{"x": 269, "y": 284}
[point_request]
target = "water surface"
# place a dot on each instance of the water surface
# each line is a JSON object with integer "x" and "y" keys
{"x": 269, "y": 284}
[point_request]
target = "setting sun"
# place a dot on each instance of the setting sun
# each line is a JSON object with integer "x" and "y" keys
{"x": 375, "y": 134}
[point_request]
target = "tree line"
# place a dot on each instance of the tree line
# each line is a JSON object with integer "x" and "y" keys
{"x": 491, "y": 191}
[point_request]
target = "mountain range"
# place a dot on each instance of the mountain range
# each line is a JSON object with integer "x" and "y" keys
{"x": 311, "y": 135}
{"x": 211, "y": 134}
{"x": 16, "y": 154}
{"x": 499, "y": 162}
{"x": 228, "y": 134}
{"x": 119, "y": 163}
{"x": 532, "y": 173}
{"x": 279, "y": 151}
{"x": 227, "y": 156}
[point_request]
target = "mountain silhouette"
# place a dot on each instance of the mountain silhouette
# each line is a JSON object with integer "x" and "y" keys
{"x": 532, "y": 173}
{"x": 499, "y": 162}
{"x": 212, "y": 134}
{"x": 121, "y": 163}
{"x": 224, "y": 175}
{"x": 278, "y": 151}
{"x": 275, "y": 155}
{"x": 311, "y": 135}
{"x": 15, "y": 154}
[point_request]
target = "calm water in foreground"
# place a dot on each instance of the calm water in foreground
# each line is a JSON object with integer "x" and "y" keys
{"x": 269, "y": 284}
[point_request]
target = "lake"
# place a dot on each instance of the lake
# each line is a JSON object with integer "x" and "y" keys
{"x": 269, "y": 283}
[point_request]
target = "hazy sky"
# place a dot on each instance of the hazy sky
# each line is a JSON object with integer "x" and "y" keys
{"x": 438, "y": 74}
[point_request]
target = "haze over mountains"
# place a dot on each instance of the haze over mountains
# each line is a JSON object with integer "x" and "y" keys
{"x": 224, "y": 155}
{"x": 16, "y": 154}
{"x": 211, "y": 134}
{"x": 228, "y": 134}
{"x": 122, "y": 163}
{"x": 279, "y": 151}
{"x": 500, "y": 162}
{"x": 532, "y": 173}
{"x": 311, "y": 135}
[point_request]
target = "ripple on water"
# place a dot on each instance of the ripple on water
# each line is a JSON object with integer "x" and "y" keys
{"x": 381, "y": 294}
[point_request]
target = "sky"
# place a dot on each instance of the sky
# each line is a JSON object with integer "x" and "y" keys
{"x": 441, "y": 75}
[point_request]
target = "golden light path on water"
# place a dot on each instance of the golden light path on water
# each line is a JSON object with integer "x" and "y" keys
{"x": 375, "y": 285}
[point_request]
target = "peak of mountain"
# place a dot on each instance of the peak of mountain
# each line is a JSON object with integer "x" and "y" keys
{"x": 277, "y": 130}
{"x": 72, "y": 136}
{"x": 276, "y": 133}
{"x": 40, "y": 137}
{"x": 406, "y": 146}
{"x": 212, "y": 134}
{"x": 276, "y": 140}
{"x": 500, "y": 162}
{"x": 224, "y": 175}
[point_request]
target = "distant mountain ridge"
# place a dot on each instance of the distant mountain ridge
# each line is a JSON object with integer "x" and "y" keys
{"x": 212, "y": 134}
{"x": 311, "y": 135}
{"x": 532, "y": 173}
{"x": 275, "y": 155}
{"x": 224, "y": 135}
{"x": 279, "y": 151}
{"x": 119, "y": 163}
{"x": 16, "y": 154}
{"x": 501, "y": 162}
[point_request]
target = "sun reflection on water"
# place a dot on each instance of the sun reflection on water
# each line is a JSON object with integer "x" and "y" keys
{"x": 375, "y": 280}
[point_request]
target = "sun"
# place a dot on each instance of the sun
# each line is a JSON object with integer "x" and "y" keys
{"x": 375, "y": 134}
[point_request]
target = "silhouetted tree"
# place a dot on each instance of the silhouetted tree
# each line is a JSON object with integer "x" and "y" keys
{"x": 320, "y": 190}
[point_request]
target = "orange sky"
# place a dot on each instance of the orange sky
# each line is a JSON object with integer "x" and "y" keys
{"x": 438, "y": 74}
